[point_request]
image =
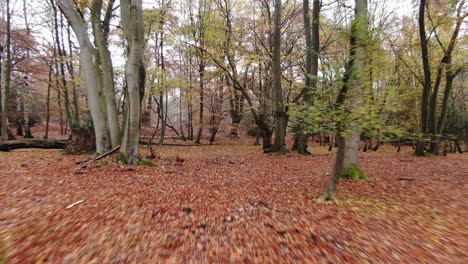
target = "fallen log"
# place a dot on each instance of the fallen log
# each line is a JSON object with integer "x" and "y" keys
{"x": 33, "y": 143}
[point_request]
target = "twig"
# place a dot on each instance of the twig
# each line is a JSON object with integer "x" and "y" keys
{"x": 74, "y": 204}
{"x": 84, "y": 164}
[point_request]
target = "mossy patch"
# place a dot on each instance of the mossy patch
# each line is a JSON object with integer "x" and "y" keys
{"x": 121, "y": 158}
{"x": 145, "y": 162}
{"x": 354, "y": 173}
{"x": 103, "y": 163}
{"x": 426, "y": 154}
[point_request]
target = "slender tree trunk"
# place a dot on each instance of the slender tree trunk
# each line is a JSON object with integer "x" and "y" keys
{"x": 445, "y": 63}
{"x": 280, "y": 115}
{"x": 49, "y": 86}
{"x": 106, "y": 68}
{"x": 72, "y": 75}
{"x": 6, "y": 68}
{"x": 427, "y": 79}
{"x": 201, "y": 71}
{"x": 312, "y": 37}
{"x": 26, "y": 92}
{"x": 181, "y": 124}
{"x": 61, "y": 54}
{"x": 59, "y": 98}
{"x": 163, "y": 99}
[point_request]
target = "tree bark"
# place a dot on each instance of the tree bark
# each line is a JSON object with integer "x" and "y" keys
{"x": 437, "y": 126}
{"x": 132, "y": 22}
{"x": 280, "y": 115}
{"x": 427, "y": 78}
{"x": 49, "y": 86}
{"x": 312, "y": 38}
{"x": 6, "y": 78}
{"x": 350, "y": 100}
{"x": 61, "y": 53}
{"x": 87, "y": 61}
{"x": 106, "y": 68}
{"x": 26, "y": 93}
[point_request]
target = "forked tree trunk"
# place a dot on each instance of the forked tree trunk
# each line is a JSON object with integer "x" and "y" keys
{"x": 106, "y": 68}
{"x": 132, "y": 22}
{"x": 87, "y": 61}
{"x": 349, "y": 101}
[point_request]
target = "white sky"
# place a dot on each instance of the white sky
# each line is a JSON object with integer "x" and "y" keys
{"x": 38, "y": 13}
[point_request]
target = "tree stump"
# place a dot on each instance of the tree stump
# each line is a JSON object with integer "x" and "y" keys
{"x": 82, "y": 141}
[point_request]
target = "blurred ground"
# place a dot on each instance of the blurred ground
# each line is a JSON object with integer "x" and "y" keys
{"x": 231, "y": 203}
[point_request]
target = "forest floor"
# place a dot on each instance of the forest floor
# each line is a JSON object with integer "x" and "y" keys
{"x": 231, "y": 203}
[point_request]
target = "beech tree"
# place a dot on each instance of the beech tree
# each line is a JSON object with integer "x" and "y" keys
{"x": 132, "y": 22}
{"x": 349, "y": 103}
{"x": 88, "y": 62}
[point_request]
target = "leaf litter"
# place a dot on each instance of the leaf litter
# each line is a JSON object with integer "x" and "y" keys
{"x": 230, "y": 203}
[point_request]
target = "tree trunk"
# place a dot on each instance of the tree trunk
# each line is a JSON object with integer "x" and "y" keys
{"x": 312, "y": 53}
{"x": 106, "y": 68}
{"x": 6, "y": 68}
{"x": 61, "y": 54}
{"x": 427, "y": 79}
{"x": 25, "y": 93}
{"x": 72, "y": 75}
{"x": 350, "y": 101}
{"x": 49, "y": 86}
{"x": 87, "y": 61}
{"x": 280, "y": 115}
{"x": 132, "y": 22}
{"x": 445, "y": 63}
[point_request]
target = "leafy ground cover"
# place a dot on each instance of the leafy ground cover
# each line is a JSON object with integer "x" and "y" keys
{"x": 230, "y": 203}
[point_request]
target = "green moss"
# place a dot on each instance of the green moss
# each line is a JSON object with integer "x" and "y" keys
{"x": 145, "y": 162}
{"x": 121, "y": 158}
{"x": 354, "y": 173}
{"x": 426, "y": 154}
{"x": 103, "y": 163}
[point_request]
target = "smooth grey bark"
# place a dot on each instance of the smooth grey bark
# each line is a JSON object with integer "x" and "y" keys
{"x": 107, "y": 71}
{"x": 6, "y": 78}
{"x": 88, "y": 64}
{"x": 132, "y": 23}
{"x": 280, "y": 114}
{"x": 350, "y": 100}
